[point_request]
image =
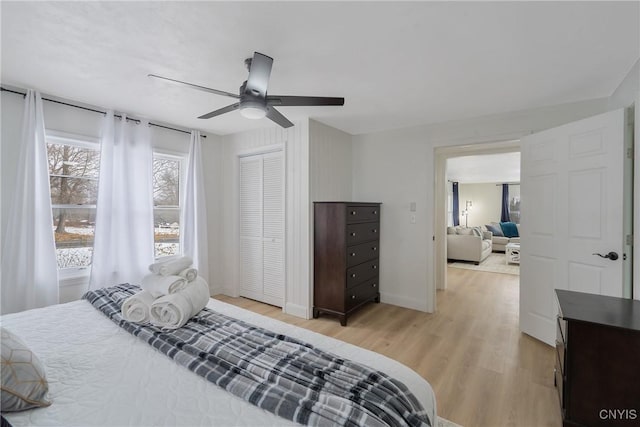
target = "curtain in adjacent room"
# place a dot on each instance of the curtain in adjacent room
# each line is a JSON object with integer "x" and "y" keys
{"x": 123, "y": 245}
{"x": 193, "y": 225}
{"x": 504, "y": 215}
{"x": 456, "y": 205}
{"x": 29, "y": 266}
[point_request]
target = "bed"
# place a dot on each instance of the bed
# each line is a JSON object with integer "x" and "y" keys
{"x": 99, "y": 374}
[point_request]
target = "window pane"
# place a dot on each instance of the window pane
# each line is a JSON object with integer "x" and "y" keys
{"x": 69, "y": 160}
{"x": 74, "y": 230}
{"x": 73, "y": 191}
{"x": 167, "y": 232}
{"x": 166, "y": 182}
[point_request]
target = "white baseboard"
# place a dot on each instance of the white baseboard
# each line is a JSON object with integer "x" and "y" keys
{"x": 403, "y": 302}
{"x": 296, "y": 310}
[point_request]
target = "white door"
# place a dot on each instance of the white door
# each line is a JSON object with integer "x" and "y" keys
{"x": 262, "y": 227}
{"x": 573, "y": 203}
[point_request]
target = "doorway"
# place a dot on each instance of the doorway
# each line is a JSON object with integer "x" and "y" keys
{"x": 442, "y": 154}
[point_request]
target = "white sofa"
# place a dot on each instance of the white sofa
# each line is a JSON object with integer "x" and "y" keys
{"x": 500, "y": 242}
{"x": 464, "y": 245}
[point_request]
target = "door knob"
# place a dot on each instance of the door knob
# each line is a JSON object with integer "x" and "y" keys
{"x": 611, "y": 255}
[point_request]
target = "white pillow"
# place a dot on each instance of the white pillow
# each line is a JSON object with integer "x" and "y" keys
{"x": 24, "y": 384}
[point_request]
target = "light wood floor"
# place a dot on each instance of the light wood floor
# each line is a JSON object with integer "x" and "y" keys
{"x": 483, "y": 370}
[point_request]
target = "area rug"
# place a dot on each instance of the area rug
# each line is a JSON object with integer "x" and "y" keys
{"x": 495, "y": 263}
{"x": 446, "y": 423}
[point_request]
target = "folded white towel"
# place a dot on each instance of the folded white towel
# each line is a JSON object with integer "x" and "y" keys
{"x": 173, "y": 265}
{"x": 137, "y": 307}
{"x": 189, "y": 273}
{"x": 162, "y": 285}
{"x": 174, "y": 310}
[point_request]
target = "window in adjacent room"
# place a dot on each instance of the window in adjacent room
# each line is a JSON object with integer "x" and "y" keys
{"x": 167, "y": 177}
{"x": 74, "y": 165}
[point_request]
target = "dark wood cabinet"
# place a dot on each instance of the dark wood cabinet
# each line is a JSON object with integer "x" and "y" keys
{"x": 597, "y": 371}
{"x": 345, "y": 254}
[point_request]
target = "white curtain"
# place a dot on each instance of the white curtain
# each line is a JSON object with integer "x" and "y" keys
{"x": 193, "y": 225}
{"x": 29, "y": 266}
{"x": 123, "y": 245}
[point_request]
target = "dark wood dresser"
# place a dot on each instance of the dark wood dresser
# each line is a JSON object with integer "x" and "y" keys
{"x": 345, "y": 257}
{"x": 597, "y": 369}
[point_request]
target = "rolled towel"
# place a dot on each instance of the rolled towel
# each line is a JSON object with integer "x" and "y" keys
{"x": 189, "y": 273}
{"x": 137, "y": 307}
{"x": 173, "y": 311}
{"x": 162, "y": 285}
{"x": 171, "y": 266}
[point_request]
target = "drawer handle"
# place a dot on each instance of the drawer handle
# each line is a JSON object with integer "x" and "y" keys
{"x": 375, "y": 212}
{"x": 375, "y": 248}
{"x": 374, "y": 285}
{"x": 353, "y": 297}
{"x": 353, "y": 212}
{"x": 375, "y": 267}
{"x": 353, "y": 234}
{"x": 353, "y": 274}
{"x": 375, "y": 230}
{"x": 353, "y": 254}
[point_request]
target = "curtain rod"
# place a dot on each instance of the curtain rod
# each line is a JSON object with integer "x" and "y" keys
{"x": 2, "y": 89}
{"x": 508, "y": 183}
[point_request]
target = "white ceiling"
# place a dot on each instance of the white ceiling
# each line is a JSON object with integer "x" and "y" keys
{"x": 396, "y": 64}
{"x": 484, "y": 168}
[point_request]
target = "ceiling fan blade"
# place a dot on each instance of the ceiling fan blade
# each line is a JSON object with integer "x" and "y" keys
{"x": 259, "y": 74}
{"x": 223, "y": 110}
{"x": 278, "y": 118}
{"x": 301, "y": 101}
{"x": 191, "y": 85}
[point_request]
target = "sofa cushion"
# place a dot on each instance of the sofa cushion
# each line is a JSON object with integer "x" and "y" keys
{"x": 500, "y": 240}
{"x": 451, "y": 230}
{"x": 495, "y": 229}
{"x": 509, "y": 229}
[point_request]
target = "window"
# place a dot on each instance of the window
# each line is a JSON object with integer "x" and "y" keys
{"x": 167, "y": 177}
{"x": 74, "y": 164}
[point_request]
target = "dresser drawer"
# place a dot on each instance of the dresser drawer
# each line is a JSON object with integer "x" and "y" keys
{"x": 361, "y": 293}
{"x": 362, "y": 213}
{"x": 358, "y": 233}
{"x": 362, "y": 272}
{"x": 361, "y": 253}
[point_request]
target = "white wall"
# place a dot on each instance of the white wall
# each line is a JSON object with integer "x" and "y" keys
{"x": 487, "y": 202}
{"x": 330, "y": 157}
{"x": 76, "y": 121}
{"x": 628, "y": 90}
{"x": 397, "y": 167}
{"x": 296, "y": 146}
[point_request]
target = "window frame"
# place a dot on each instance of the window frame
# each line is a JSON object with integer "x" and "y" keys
{"x": 67, "y": 274}
{"x": 183, "y": 159}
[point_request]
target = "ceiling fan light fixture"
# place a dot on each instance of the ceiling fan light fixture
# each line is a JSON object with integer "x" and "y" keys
{"x": 254, "y": 113}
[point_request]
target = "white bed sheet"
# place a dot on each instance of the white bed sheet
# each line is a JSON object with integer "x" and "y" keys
{"x": 99, "y": 374}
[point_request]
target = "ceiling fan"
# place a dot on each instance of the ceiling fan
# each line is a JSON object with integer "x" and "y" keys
{"x": 253, "y": 101}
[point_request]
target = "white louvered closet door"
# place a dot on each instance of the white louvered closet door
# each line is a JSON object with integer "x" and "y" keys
{"x": 262, "y": 227}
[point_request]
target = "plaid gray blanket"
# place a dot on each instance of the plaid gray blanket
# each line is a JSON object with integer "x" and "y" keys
{"x": 282, "y": 375}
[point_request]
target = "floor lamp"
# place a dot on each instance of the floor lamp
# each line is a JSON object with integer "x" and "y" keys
{"x": 465, "y": 212}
